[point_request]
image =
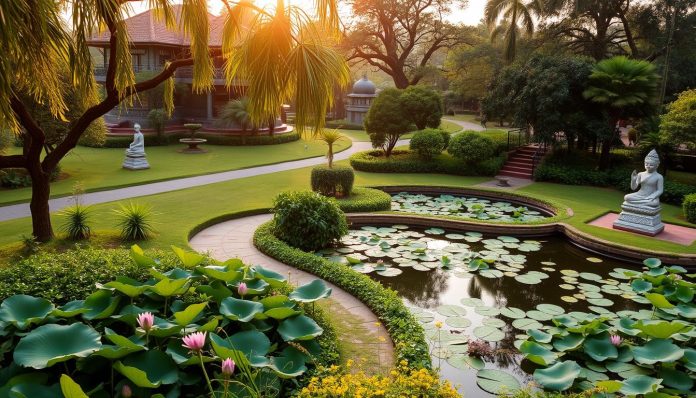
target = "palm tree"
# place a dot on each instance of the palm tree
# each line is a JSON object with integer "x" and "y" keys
{"x": 285, "y": 55}
{"x": 626, "y": 88}
{"x": 236, "y": 113}
{"x": 330, "y": 137}
{"x": 514, "y": 13}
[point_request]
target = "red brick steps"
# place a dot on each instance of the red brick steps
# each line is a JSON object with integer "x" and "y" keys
{"x": 521, "y": 163}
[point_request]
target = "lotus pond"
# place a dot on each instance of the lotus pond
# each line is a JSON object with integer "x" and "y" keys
{"x": 466, "y": 207}
{"x": 488, "y": 302}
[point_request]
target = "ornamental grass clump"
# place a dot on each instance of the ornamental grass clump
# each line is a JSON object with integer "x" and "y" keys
{"x": 76, "y": 224}
{"x": 180, "y": 333}
{"x": 308, "y": 220}
{"x": 135, "y": 221}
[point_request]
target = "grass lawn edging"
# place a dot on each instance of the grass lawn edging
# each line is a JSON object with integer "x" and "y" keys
{"x": 404, "y": 329}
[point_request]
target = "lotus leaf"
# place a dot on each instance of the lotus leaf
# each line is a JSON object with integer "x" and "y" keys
{"x": 299, "y": 328}
{"x": 191, "y": 312}
{"x": 512, "y": 312}
{"x": 23, "y": 311}
{"x": 451, "y": 310}
{"x": 558, "y": 377}
{"x": 51, "y": 344}
{"x": 463, "y": 361}
{"x": 661, "y": 329}
{"x": 496, "y": 381}
{"x": 538, "y": 353}
{"x": 640, "y": 385}
{"x": 676, "y": 379}
{"x": 489, "y": 333}
{"x": 657, "y": 350}
{"x": 242, "y": 310}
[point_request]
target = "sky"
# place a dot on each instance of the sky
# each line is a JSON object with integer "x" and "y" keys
{"x": 471, "y": 15}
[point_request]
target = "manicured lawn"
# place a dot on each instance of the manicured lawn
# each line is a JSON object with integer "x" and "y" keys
{"x": 361, "y": 135}
{"x": 100, "y": 168}
{"x": 180, "y": 211}
{"x": 491, "y": 125}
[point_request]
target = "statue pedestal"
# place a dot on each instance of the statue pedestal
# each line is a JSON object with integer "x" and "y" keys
{"x": 135, "y": 162}
{"x": 642, "y": 220}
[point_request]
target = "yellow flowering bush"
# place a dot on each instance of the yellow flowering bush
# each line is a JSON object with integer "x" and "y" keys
{"x": 402, "y": 382}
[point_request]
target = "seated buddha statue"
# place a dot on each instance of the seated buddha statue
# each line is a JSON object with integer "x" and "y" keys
{"x": 651, "y": 185}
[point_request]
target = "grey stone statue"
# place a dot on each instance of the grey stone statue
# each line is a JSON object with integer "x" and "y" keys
{"x": 641, "y": 209}
{"x": 136, "y": 159}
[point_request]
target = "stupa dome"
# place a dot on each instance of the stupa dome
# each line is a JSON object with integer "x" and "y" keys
{"x": 364, "y": 86}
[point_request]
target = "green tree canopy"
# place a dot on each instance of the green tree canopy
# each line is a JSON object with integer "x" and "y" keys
{"x": 422, "y": 105}
{"x": 678, "y": 125}
{"x": 385, "y": 121}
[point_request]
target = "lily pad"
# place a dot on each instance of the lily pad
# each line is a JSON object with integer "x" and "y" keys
{"x": 489, "y": 333}
{"x": 558, "y": 377}
{"x": 496, "y": 381}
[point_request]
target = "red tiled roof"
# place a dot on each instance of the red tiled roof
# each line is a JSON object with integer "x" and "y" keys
{"x": 145, "y": 28}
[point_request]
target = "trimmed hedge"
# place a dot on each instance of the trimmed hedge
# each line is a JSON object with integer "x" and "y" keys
{"x": 336, "y": 181}
{"x": 689, "y": 207}
{"x": 405, "y": 330}
{"x": 472, "y": 147}
{"x": 343, "y": 124}
{"x": 404, "y": 161}
{"x": 213, "y": 139}
{"x": 365, "y": 200}
{"x": 427, "y": 143}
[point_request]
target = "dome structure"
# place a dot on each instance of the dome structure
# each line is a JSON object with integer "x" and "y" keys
{"x": 364, "y": 86}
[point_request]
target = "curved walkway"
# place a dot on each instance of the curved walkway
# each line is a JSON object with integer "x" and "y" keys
{"x": 21, "y": 210}
{"x": 465, "y": 125}
{"x": 361, "y": 334}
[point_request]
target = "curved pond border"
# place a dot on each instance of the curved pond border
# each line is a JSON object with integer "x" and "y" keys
{"x": 545, "y": 227}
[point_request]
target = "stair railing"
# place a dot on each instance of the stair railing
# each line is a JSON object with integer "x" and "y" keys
{"x": 516, "y": 142}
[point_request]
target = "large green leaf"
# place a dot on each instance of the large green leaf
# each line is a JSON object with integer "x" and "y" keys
{"x": 537, "y": 353}
{"x": 140, "y": 258}
{"x": 32, "y": 390}
{"x": 299, "y": 328}
{"x": 189, "y": 259}
{"x": 216, "y": 289}
{"x": 70, "y": 309}
{"x": 51, "y": 344}
{"x": 658, "y": 300}
{"x": 100, "y": 304}
{"x": 242, "y": 310}
{"x": 22, "y": 310}
{"x": 71, "y": 389}
{"x": 496, "y": 381}
{"x": 252, "y": 343}
{"x": 676, "y": 379}
{"x": 223, "y": 349}
{"x": 661, "y": 329}
{"x": 640, "y": 385}
{"x": 171, "y": 287}
{"x": 600, "y": 348}
{"x": 568, "y": 343}
{"x": 657, "y": 350}
{"x": 282, "y": 312}
{"x": 222, "y": 273}
{"x": 310, "y": 292}
{"x": 183, "y": 318}
{"x": 129, "y": 287}
{"x": 558, "y": 377}
{"x": 157, "y": 367}
{"x": 274, "y": 279}
{"x": 291, "y": 364}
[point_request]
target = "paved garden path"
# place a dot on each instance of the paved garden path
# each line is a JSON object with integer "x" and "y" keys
{"x": 466, "y": 125}
{"x": 359, "y": 329}
{"x": 21, "y": 210}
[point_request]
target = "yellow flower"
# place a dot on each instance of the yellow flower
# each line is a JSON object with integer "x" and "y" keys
{"x": 438, "y": 324}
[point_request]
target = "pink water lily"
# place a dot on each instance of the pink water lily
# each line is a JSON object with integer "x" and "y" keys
{"x": 126, "y": 391}
{"x": 615, "y": 340}
{"x": 146, "y": 320}
{"x": 228, "y": 367}
{"x": 242, "y": 289}
{"x": 195, "y": 341}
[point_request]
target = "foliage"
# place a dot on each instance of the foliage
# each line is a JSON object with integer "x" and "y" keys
{"x": 427, "y": 143}
{"x": 513, "y": 12}
{"x": 582, "y": 348}
{"x": 404, "y": 330}
{"x": 689, "y": 207}
{"x": 678, "y": 125}
{"x": 402, "y": 381}
{"x": 385, "y": 122}
{"x": 99, "y": 338}
{"x": 71, "y": 275}
{"x": 445, "y": 138}
{"x": 135, "y": 221}
{"x": 408, "y": 162}
{"x": 343, "y": 124}
{"x": 76, "y": 225}
{"x": 330, "y": 137}
{"x": 470, "y": 70}
{"x": 308, "y": 220}
{"x": 235, "y": 113}
{"x": 95, "y": 135}
{"x": 213, "y": 139}
{"x": 20, "y": 178}
{"x": 365, "y": 200}
{"x": 335, "y": 182}
{"x": 422, "y": 105}
{"x": 157, "y": 120}
{"x": 471, "y": 147}
{"x": 6, "y": 140}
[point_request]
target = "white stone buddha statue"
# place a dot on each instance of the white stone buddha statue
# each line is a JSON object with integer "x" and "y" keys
{"x": 137, "y": 147}
{"x": 651, "y": 185}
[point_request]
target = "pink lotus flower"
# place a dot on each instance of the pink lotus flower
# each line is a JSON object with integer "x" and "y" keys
{"x": 615, "y": 340}
{"x": 195, "y": 341}
{"x": 228, "y": 367}
{"x": 242, "y": 289}
{"x": 126, "y": 391}
{"x": 146, "y": 320}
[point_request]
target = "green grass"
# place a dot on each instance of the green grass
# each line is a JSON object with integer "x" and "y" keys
{"x": 180, "y": 211}
{"x": 361, "y": 135}
{"x": 100, "y": 168}
{"x": 491, "y": 125}
{"x": 682, "y": 177}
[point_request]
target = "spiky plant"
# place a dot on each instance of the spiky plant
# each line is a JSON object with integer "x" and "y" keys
{"x": 513, "y": 13}
{"x": 236, "y": 112}
{"x": 135, "y": 221}
{"x": 76, "y": 222}
{"x": 330, "y": 137}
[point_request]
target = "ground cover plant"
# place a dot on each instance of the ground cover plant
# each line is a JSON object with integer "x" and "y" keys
{"x": 463, "y": 207}
{"x": 180, "y": 333}
{"x": 406, "y": 161}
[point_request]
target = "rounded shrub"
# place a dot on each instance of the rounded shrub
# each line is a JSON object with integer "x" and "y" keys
{"x": 308, "y": 220}
{"x": 471, "y": 147}
{"x": 135, "y": 221}
{"x": 445, "y": 138}
{"x": 427, "y": 143}
{"x": 333, "y": 181}
{"x": 689, "y": 207}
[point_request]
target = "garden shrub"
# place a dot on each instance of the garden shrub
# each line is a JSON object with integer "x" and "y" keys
{"x": 157, "y": 120}
{"x": 308, "y": 220}
{"x": 336, "y": 181}
{"x": 135, "y": 221}
{"x": 343, "y": 124}
{"x": 427, "y": 143}
{"x": 471, "y": 147}
{"x": 19, "y": 178}
{"x": 76, "y": 225}
{"x": 689, "y": 207}
{"x": 95, "y": 135}
{"x": 365, "y": 200}
{"x": 401, "y": 382}
{"x": 404, "y": 161}
{"x": 446, "y": 136}
{"x": 404, "y": 329}
{"x": 129, "y": 333}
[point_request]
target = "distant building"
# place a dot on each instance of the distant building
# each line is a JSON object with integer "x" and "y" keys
{"x": 153, "y": 44}
{"x": 360, "y": 99}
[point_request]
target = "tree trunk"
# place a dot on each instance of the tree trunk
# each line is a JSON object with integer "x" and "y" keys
{"x": 400, "y": 79}
{"x": 605, "y": 156}
{"x": 40, "y": 212}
